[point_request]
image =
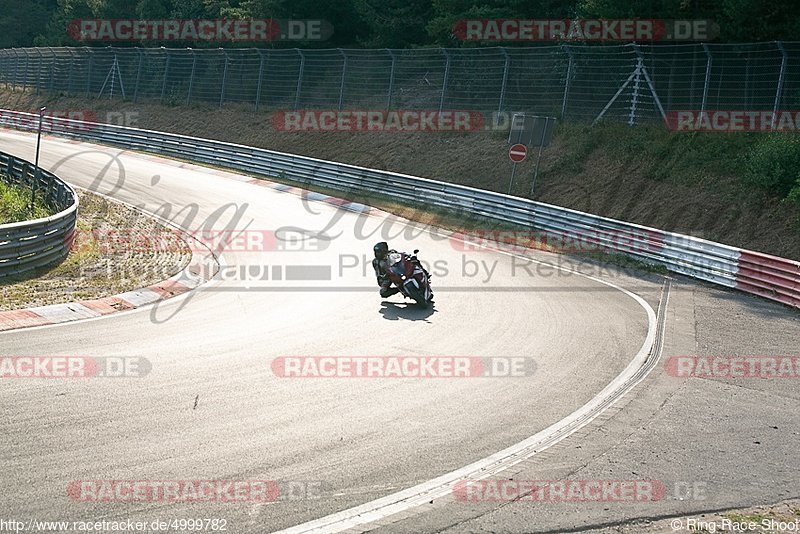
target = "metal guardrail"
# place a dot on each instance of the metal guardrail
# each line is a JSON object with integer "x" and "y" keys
{"x": 774, "y": 278}
{"x": 29, "y": 245}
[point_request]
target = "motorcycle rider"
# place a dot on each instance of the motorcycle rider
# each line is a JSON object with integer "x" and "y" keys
{"x": 381, "y": 265}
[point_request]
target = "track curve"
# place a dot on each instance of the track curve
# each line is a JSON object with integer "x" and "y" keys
{"x": 362, "y": 439}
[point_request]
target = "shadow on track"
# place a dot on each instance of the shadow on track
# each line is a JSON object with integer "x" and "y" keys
{"x": 412, "y": 312}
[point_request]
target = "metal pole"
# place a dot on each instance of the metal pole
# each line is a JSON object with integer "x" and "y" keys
{"x": 513, "y": 172}
{"x": 391, "y": 81}
{"x": 505, "y": 80}
{"x": 444, "y": 82}
{"x": 567, "y": 82}
{"x": 36, "y": 161}
{"x": 299, "y": 78}
{"x": 708, "y": 78}
{"x": 344, "y": 73}
{"x": 780, "y": 82}
{"x": 260, "y": 76}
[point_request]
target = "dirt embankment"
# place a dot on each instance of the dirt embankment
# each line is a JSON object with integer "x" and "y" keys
{"x": 688, "y": 183}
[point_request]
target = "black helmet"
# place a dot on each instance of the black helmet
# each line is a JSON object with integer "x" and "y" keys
{"x": 381, "y": 250}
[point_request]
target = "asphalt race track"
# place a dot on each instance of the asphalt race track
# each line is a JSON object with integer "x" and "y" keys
{"x": 211, "y": 407}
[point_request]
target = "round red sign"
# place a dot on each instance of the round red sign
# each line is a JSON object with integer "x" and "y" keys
{"x": 517, "y": 152}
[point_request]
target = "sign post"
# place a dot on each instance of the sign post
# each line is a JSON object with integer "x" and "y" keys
{"x": 529, "y": 131}
{"x": 517, "y": 154}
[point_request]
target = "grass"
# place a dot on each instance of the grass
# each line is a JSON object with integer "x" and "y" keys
{"x": 681, "y": 158}
{"x": 104, "y": 259}
{"x": 15, "y": 204}
{"x": 745, "y": 518}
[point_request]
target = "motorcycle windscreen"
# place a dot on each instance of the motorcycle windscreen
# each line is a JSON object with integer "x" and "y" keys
{"x": 395, "y": 261}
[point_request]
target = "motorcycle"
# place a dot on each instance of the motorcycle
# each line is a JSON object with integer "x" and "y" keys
{"x": 406, "y": 272}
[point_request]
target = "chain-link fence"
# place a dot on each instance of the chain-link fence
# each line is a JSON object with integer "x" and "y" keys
{"x": 625, "y": 82}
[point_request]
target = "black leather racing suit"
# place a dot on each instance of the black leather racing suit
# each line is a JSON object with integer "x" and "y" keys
{"x": 381, "y": 272}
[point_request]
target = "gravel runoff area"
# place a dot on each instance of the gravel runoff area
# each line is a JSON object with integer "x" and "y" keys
{"x": 116, "y": 249}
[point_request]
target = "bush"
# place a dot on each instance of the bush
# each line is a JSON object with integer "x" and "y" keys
{"x": 773, "y": 164}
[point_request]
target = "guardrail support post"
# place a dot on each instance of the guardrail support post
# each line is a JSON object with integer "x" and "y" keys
{"x": 446, "y": 75}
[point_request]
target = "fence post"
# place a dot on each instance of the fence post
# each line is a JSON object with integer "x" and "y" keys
{"x": 747, "y": 82}
{"x": 191, "y": 77}
{"x": 506, "y": 65}
{"x": 299, "y": 78}
{"x": 781, "y": 77}
{"x": 166, "y": 72}
{"x": 636, "y": 80}
{"x": 89, "y": 70}
{"x": 344, "y": 73}
{"x": 27, "y": 64}
{"x": 71, "y": 68}
{"x": 224, "y": 78}
{"x": 52, "y": 69}
{"x": 138, "y": 75}
{"x": 16, "y": 69}
{"x": 567, "y": 82}
{"x": 391, "y": 80}
{"x": 260, "y": 76}
{"x": 446, "y": 76}
{"x": 39, "y": 68}
{"x": 708, "y": 78}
